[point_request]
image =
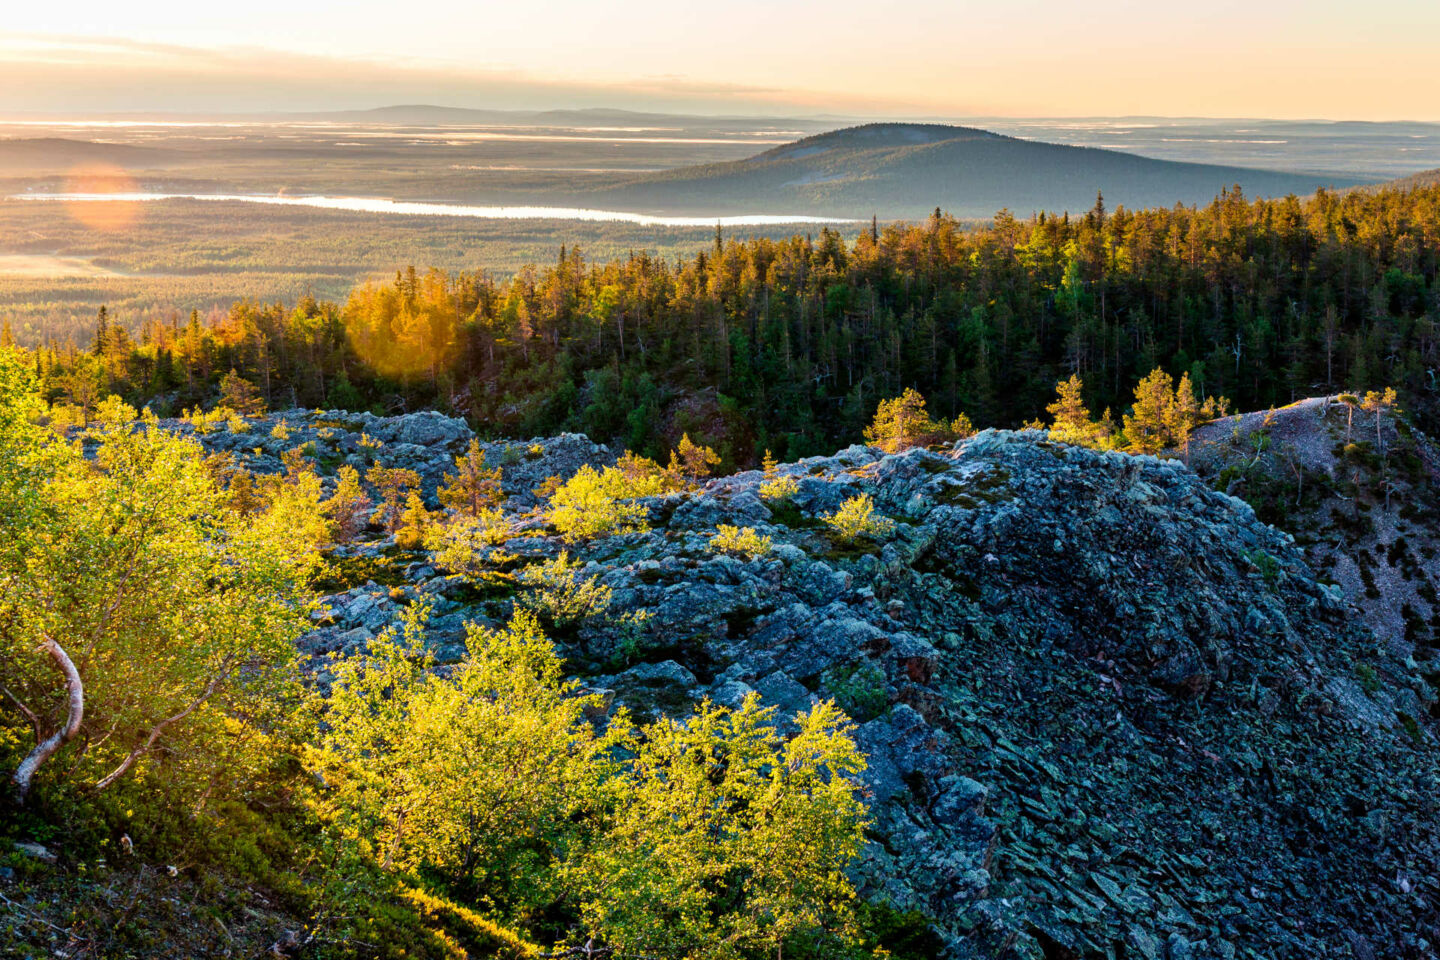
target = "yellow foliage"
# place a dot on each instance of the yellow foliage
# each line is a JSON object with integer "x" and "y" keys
{"x": 415, "y": 523}
{"x": 347, "y": 506}
{"x": 856, "y": 521}
{"x": 776, "y": 485}
{"x": 464, "y": 545}
{"x": 495, "y": 937}
{"x": 472, "y": 488}
{"x": 392, "y": 483}
{"x": 903, "y": 422}
{"x": 692, "y": 463}
{"x": 743, "y": 541}
{"x": 593, "y": 503}
{"x": 642, "y": 473}
{"x": 560, "y": 595}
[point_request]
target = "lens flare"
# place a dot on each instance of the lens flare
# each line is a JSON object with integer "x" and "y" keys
{"x": 100, "y": 181}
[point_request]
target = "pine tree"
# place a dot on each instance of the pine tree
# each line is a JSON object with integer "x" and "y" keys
{"x": 393, "y": 484}
{"x": 1147, "y": 425}
{"x": 900, "y": 423}
{"x": 1072, "y": 423}
{"x": 1183, "y": 415}
{"x": 347, "y": 507}
{"x": 415, "y": 523}
{"x": 472, "y": 488}
{"x": 690, "y": 463}
{"x": 240, "y": 395}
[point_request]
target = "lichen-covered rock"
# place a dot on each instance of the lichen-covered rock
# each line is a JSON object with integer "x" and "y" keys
{"x": 1107, "y": 712}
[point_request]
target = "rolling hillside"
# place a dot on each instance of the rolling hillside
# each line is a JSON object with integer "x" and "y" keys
{"x": 49, "y": 155}
{"x": 907, "y": 170}
{"x": 1425, "y": 178}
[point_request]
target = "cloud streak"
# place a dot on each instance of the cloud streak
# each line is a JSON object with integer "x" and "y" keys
{"x": 50, "y": 75}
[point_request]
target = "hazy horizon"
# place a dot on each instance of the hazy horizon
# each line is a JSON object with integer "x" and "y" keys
{"x": 1280, "y": 59}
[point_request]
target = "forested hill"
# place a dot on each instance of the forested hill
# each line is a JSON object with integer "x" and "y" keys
{"x": 909, "y": 169}
{"x": 789, "y": 344}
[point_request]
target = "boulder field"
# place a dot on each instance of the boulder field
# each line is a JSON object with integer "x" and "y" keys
{"x": 1107, "y": 712}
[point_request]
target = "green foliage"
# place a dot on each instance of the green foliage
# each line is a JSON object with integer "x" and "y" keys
{"x": 857, "y": 522}
{"x": 178, "y": 614}
{"x": 709, "y": 838}
{"x": 859, "y": 689}
{"x": 724, "y": 839}
{"x": 975, "y": 318}
{"x": 482, "y": 777}
{"x": 1268, "y": 566}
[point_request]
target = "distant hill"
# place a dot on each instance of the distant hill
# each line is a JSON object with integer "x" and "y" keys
{"x": 51, "y": 155}
{"x": 909, "y": 169}
{"x": 423, "y": 114}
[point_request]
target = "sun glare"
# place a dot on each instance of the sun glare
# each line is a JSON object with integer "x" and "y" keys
{"x": 104, "y": 213}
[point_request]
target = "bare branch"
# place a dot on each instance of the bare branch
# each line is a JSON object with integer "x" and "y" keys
{"x": 155, "y": 732}
{"x": 26, "y": 712}
{"x": 46, "y": 748}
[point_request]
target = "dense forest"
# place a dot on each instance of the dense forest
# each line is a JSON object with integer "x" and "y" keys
{"x": 788, "y": 344}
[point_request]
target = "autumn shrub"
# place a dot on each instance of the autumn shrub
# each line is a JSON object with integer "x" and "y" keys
{"x": 740, "y": 541}
{"x": 560, "y": 595}
{"x": 464, "y": 545}
{"x": 596, "y": 503}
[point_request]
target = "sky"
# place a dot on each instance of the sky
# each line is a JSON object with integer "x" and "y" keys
{"x": 1331, "y": 59}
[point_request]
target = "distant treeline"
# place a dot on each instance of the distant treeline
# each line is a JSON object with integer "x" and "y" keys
{"x": 789, "y": 344}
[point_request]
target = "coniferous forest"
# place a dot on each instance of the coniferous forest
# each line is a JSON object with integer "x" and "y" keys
{"x": 788, "y": 344}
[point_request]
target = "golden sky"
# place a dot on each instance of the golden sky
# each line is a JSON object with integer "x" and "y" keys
{"x": 1053, "y": 58}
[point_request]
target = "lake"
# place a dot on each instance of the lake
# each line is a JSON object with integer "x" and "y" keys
{"x": 413, "y": 208}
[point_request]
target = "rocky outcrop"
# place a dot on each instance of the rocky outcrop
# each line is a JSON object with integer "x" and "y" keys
{"x": 1107, "y": 711}
{"x": 1364, "y": 506}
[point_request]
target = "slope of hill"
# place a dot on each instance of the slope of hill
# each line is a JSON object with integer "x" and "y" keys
{"x": 908, "y": 169}
{"x": 1365, "y": 508}
{"x": 56, "y": 154}
{"x": 1107, "y": 711}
